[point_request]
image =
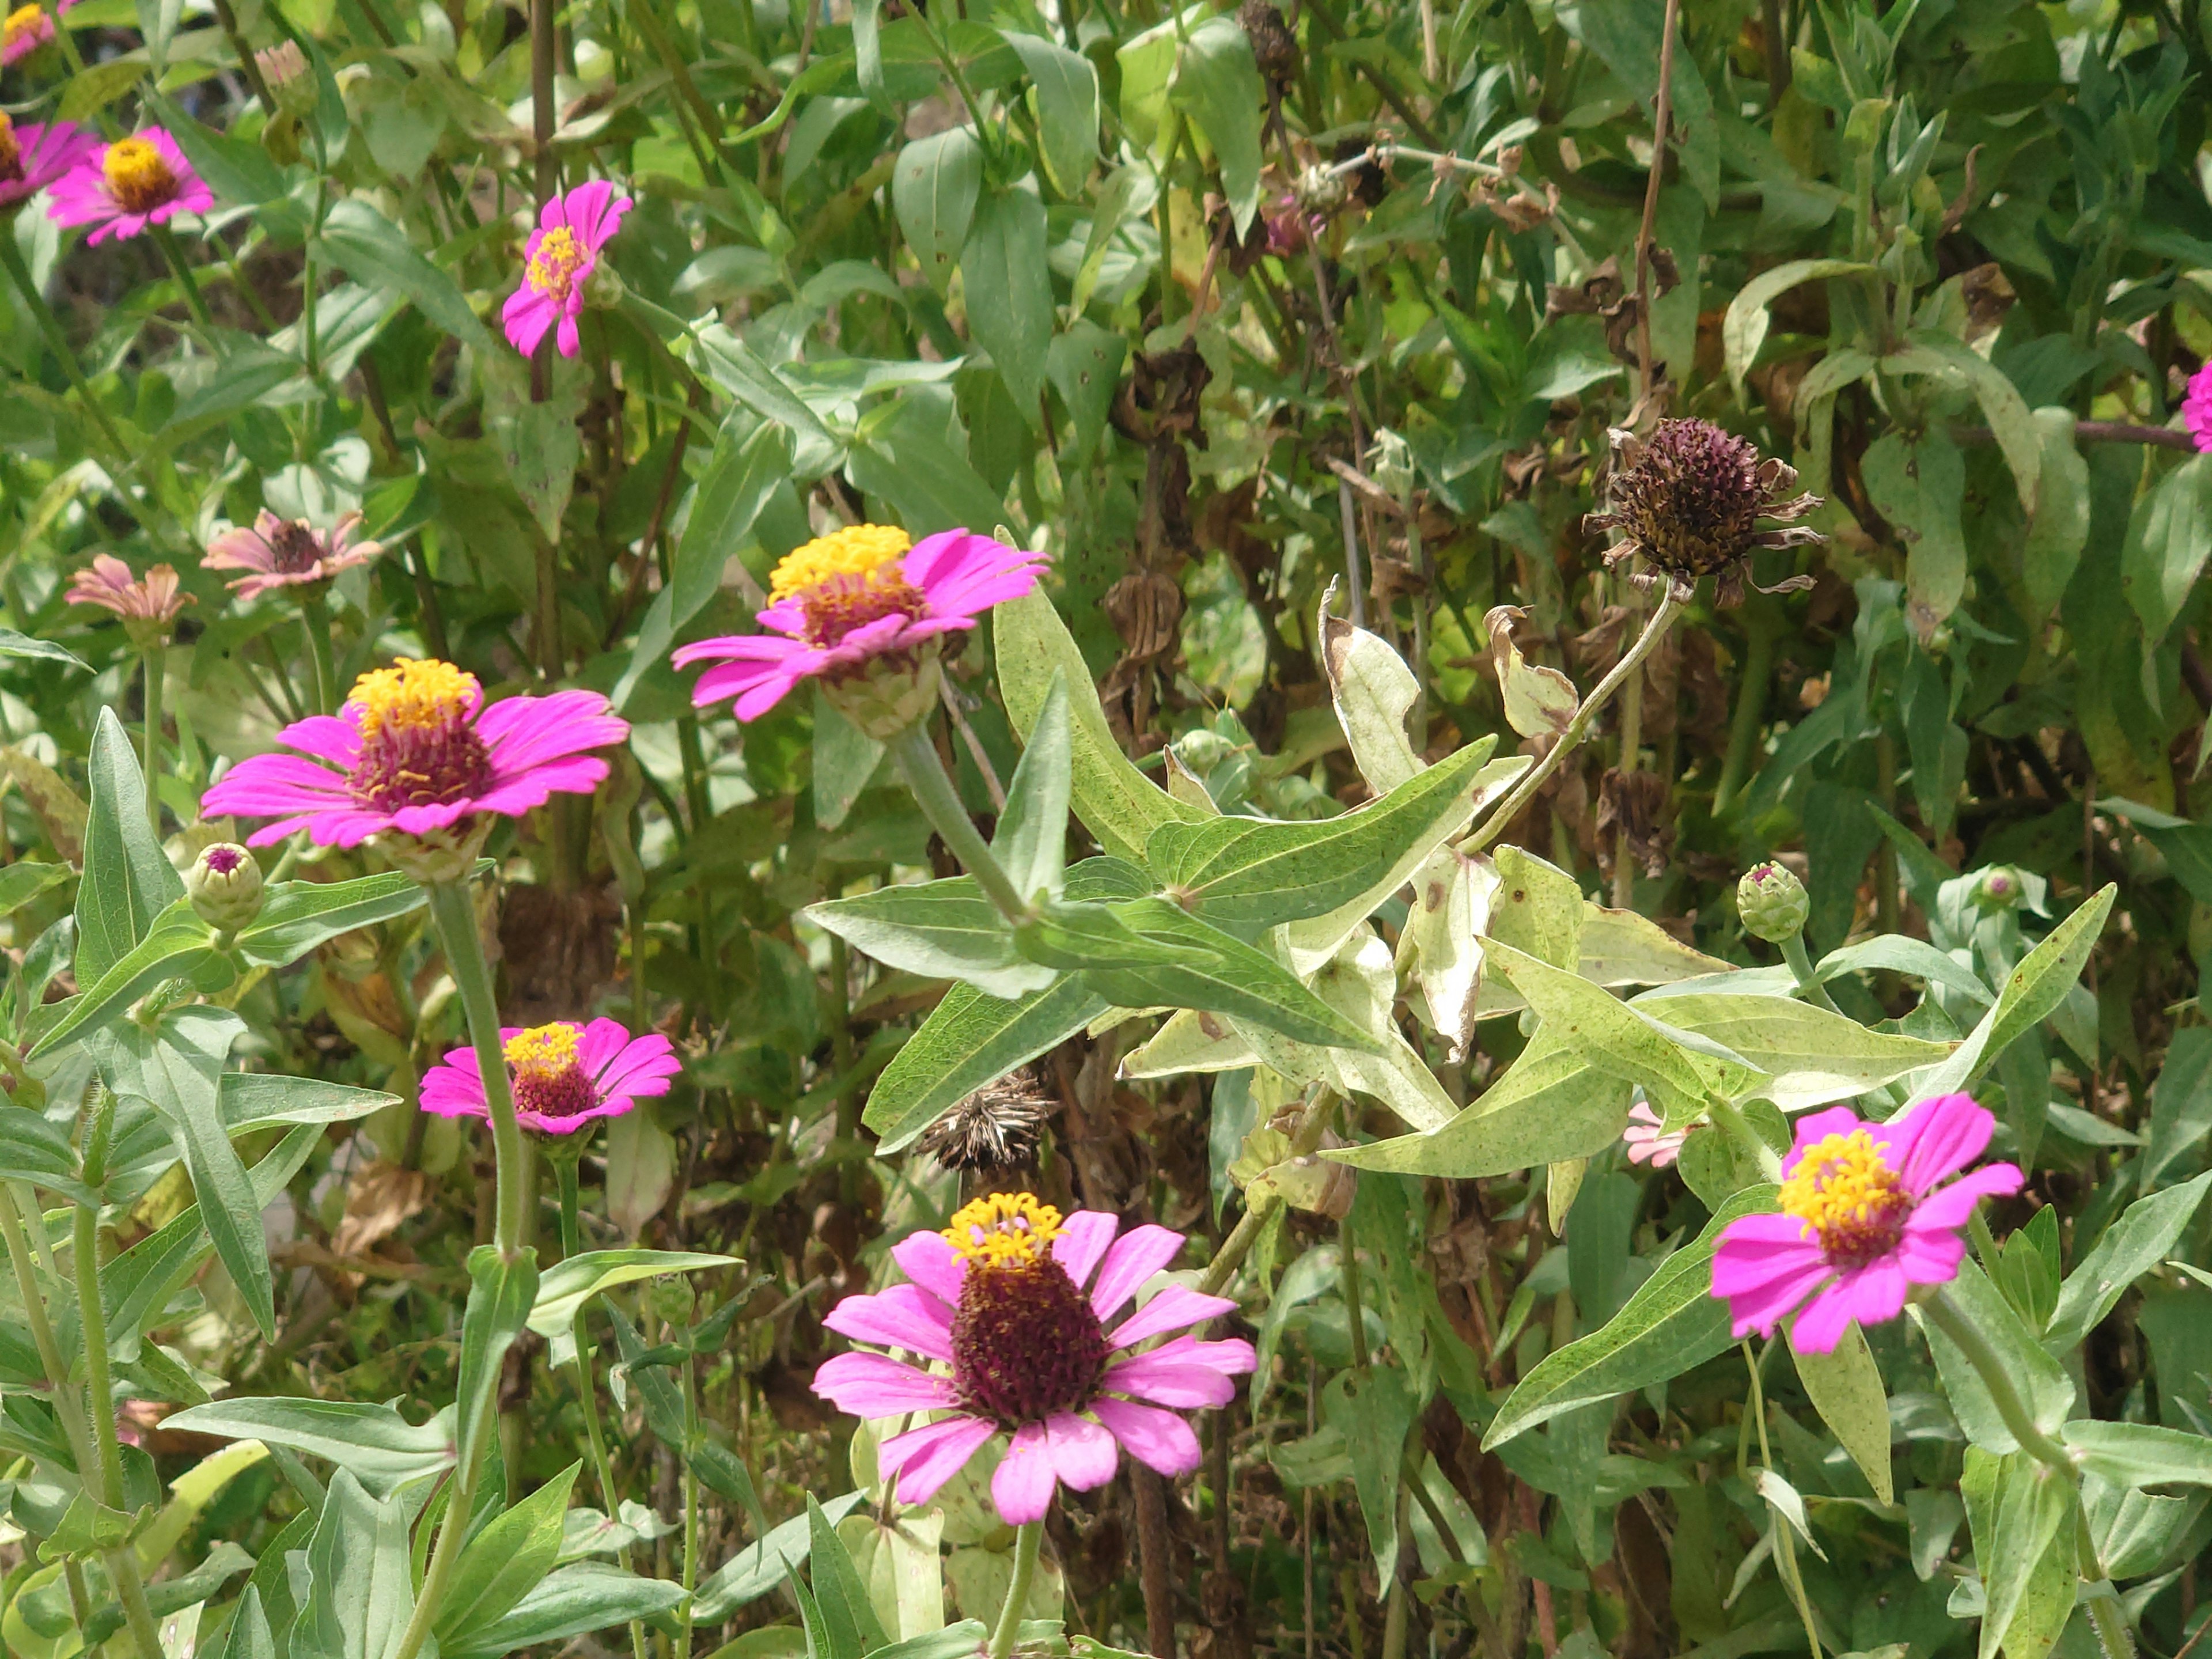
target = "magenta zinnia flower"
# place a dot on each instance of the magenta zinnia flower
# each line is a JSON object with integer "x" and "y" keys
{"x": 1648, "y": 1140}
{"x": 27, "y": 29}
{"x": 2197, "y": 407}
{"x": 417, "y": 749}
{"x": 136, "y": 182}
{"x": 288, "y": 552}
{"x": 1864, "y": 1218}
{"x": 33, "y": 156}
{"x": 563, "y": 253}
{"x": 563, "y": 1075}
{"x": 998, "y": 1299}
{"x": 849, "y": 600}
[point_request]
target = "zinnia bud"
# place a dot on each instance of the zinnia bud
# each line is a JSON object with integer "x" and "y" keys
{"x": 225, "y": 885}
{"x": 284, "y": 70}
{"x": 671, "y": 1299}
{"x": 2001, "y": 889}
{"x": 1771, "y": 901}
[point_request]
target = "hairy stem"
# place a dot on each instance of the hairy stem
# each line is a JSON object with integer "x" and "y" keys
{"x": 315, "y": 619}
{"x": 916, "y": 757}
{"x": 1944, "y": 1313}
{"x": 122, "y": 1564}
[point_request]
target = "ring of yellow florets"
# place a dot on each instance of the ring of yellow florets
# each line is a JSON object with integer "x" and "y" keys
{"x": 1846, "y": 1194}
{"x": 545, "y": 1062}
{"x": 27, "y": 19}
{"x": 1026, "y": 1343}
{"x": 417, "y": 747}
{"x": 137, "y": 175}
{"x": 552, "y": 269}
{"x": 846, "y": 579}
{"x": 11, "y": 154}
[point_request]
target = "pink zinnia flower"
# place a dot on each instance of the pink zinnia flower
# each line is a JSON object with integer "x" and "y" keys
{"x": 563, "y": 252}
{"x": 136, "y": 182}
{"x": 1648, "y": 1142}
{"x": 998, "y": 1300}
{"x": 33, "y": 156}
{"x": 148, "y": 606}
{"x": 288, "y": 552}
{"x": 1864, "y": 1220}
{"x": 2197, "y": 407}
{"x": 563, "y": 1075}
{"x": 27, "y": 29}
{"x": 417, "y": 749}
{"x": 857, "y": 595}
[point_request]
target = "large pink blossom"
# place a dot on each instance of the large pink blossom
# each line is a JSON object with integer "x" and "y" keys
{"x": 134, "y": 182}
{"x": 998, "y": 1304}
{"x": 417, "y": 750}
{"x": 2197, "y": 407}
{"x": 33, "y": 156}
{"x": 1868, "y": 1211}
{"x": 855, "y": 596}
{"x": 564, "y": 1075}
{"x": 563, "y": 253}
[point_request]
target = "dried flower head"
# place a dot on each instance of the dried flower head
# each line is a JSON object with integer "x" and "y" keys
{"x": 996, "y": 1127}
{"x": 1274, "y": 48}
{"x": 1689, "y": 500}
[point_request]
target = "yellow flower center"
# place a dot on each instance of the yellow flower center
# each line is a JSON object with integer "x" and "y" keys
{"x": 11, "y": 156}
{"x": 413, "y": 693}
{"x": 1846, "y": 1193}
{"x": 1004, "y": 1230}
{"x": 24, "y": 20}
{"x": 858, "y": 553}
{"x": 542, "y": 1052}
{"x": 553, "y": 268}
{"x": 136, "y": 176}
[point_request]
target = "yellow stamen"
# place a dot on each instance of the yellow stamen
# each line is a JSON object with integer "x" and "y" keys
{"x": 413, "y": 692}
{"x": 543, "y": 1051}
{"x": 24, "y": 20}
{"x": 1004, "y": 1230}
{"x": 1845, "y": 1190}
{"x": 11, "y": 156}
{"x": 137, "y": 175}
{"x": 553, "y": 268}
{"x": 860, "y": 551}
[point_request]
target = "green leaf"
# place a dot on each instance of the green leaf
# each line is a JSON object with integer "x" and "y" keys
{"x": 298, "y": 915}
{"x": 969, "y": 1040}
{"x": 2031, "y": 993}
{"x": 1539, "y": 909}
{"x": 376, "y": 253}
{"x": 1743, "y": 330}
{"x": 176, "y": 946}
{"x": 580, "y": 1597}
{"x": 2169, "y": 538}
{"x": 128, "y": 879}
{"x": 2059, "y": 529}
{"x": 566, "y": 1286}
{"x": 1673, "y": 1323}
{"x": 1083, "y": 364}
{"x": 1919, "y": 486}
{"x": 500, "y": 1295}
{"x": 1008, "y": 286}
{"x": 1812, "y": 1056}
{"x": 929, "y": 484}
{"x": 1067, "y": 106}
{"x": 236, "y": 170}
{"x": 2011, "y": 421}
{"x": 933, "y": 191}
{"x": 1032, "y": 836}
{"x": 2141, "y": 1453}
{"x": 2043, "y": 1385}
{"x": 939, "y": 929}
{"x": 868, "y": 54}
{"x": 847, "y": 1612}
{"x": 503, "y": 1563}
{"x": 764, "y": 1565}
{"x": 248, "y": 1637}
{"x": 1254, "y": 873}
{"x": 541, "y": 454}
{"x": 13, "y": 644}
{"x": 739, "y": 370}
{"x": 1118, "y": 803}
{"x": 1218, "y": 85}
{"x": 1374, "y": 1412}
{"x": 1374, "y": 692}
{"x": 1617, "y": 1039}
{"x": 1845, "y": 1387}
{"x": 372, "y": 1444}
{"x": 361, "y": 1586}
{"x": 2028, "y": 1506}
{"x": 2141, "y": 1238}
{"x": 1900, "y": 954}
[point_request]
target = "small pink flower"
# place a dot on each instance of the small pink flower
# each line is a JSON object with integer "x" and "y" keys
{"x": 417, "y": 749}
{"x": 997, "y": 1299}
{"x": 2197, "y": 407}
{"x": 847, "y": 599}
{"x": 288, "y": 552}
{"x": 1864, "y": 1218}
{"x": 136, "y": 182}
{"x": 563, "y": 253}
{"x": 1647, "y": 1142}
{"x": 27, "y": 29}
{"x": 564, "y": 1075}
{"x": 33, "y": 156}
{"x": 147, "y": 606}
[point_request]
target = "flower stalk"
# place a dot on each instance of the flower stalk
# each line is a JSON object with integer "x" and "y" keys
{"x": 123, "y": 1563}
{"x": 453, "y": 911}
{"x": 154, "y": 659}
{"x": 1027, "y": 1537}
{"x": 315, "y": 620}
{"x": 918, "y": 763}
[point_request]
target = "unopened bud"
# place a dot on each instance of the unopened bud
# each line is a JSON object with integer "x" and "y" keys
{"x": 2001, "y": 889}
{"x": 225, "y": 885}
{"x": 671, "y": 1299}
{"x": 285, "y": 71}
{"x": 604, "y": 288}
{"x": 1771, "y": 901}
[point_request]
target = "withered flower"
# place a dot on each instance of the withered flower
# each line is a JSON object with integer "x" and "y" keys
{"x": 1689, "y": 501}
{"x": 997, "y": 1127}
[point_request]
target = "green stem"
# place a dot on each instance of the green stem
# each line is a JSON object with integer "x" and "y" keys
{"x": 916, "y": 758}
{"x": 1945, "y": 1314}
{"x": 1750, "y": 711}
{"x": 1027, "y": 1537}
{"x": 122, "y": 1564}
{"x": 1809, "y": 982}
{"x": 2106, "y": 1617}
{"x": 1536, "y": 776}
{"x": 194, "y": 301}
{"x": 315, "y": 621}
{"x": 691, "y": 1436}
{"x": 1234, "y": 1248}
{"x": 11, "y": 257}
{"x": 154, "y": 660}
{"x": 454, "y": 912}
{"x": 1731, "y": 1121}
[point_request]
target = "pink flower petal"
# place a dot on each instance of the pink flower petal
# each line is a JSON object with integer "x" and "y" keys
{"x": 924, "y": 1459}
{"x": 1134, "y": 1258}
{"x": 1819, "y": 1126}
{"x": 1022, "y": 1484}
{"x": 1084, "y": 1237}
{"x": 929, "y": 1260}
{"x": 1938, "y": 1138}
{"x": 903, "y": 1316}
{"x": 871, "y": 1385}
{"x": 1176, "y": 1382}
{"x": 1082, "y": 1453}
{"x": 1172, "y": 1310}
{"x": 1156, "y": 1439}
{"x": 1950, "y": 1207}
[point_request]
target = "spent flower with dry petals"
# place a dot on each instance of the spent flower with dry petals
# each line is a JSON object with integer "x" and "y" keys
{"x": 148, "y": 606}
{"x": 277, "y": 553}
{"x": 1687, "y": 501}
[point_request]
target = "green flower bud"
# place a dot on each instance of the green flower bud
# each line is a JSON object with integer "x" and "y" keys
{"x": 2001, "y": 889}
{"x": 225, "y": 885}
{"x": 1772, "y": 902}
{"x": 671, "y": 1298}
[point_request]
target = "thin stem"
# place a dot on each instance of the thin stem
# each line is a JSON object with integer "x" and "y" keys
{"x": 66, "y": 1404}
{"x": 1631, "y": 759}
{"x": 1809, "y": 982}
{"x": 1234, "y": 1248}
{"x": 2106, "y": 1617}
{"x": 691, "y": 1436}
{"x": 1027, "y": 1537}
{"x": 122, "y": 1564}
{"x": 1536, "y": 776}
{"x": 1943, "y": 1312}
{"x": 1750, "y": 710}
{"x": 454, "y": 912}
{"x": 315, "y": 620}
{"x": 1730, "y": 1120}
{"x": 195, "y": 302}
{"x": 1662, "y": 121}
{"x": 11, "y": 257}
{"x": 917, "y": 760}
{"x": 248, "y": 66}
{"x": 154, "y": 660}
{"x": 1394, "y": 1613}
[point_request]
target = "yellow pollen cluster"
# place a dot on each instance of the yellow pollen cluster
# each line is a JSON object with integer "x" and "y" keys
{"x": 137, "y": 175}
{"x": 11, "y": 154}
{"x": 543, "y": 1051}
{"x": 1844, "y": 1190}
{"x": 24, "y": 20}
{"x": 1004, "y": 1230}
{"x": 860, "y": 551}
{"x": 413, "y": 692}
{"x": 553, "y": 268}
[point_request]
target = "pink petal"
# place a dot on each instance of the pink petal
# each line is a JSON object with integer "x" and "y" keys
{"x": 1931, "y": 1257}
{"x": 1082, "y": 1453}
{"x": 1159, "y": 1439}
{"x": 1819, "y": 1126}
{"x": 929, "y": 1260}
{"x": 1173, "y": 1309}
{"x": 1938, "y": 1138}
{"x": 1135, "y": 1257}
{"x": 1870, "y": 1295}
{"x": 1949, "y": 1207}
{"x": 1022, "y": 1484}
{"x": 903, "y": 1316}
{"x": 924, "y": 1459}
{"x": 870, "y": 1385}
{"x": 1167, "y": 1382}
{"x": 1084, "y": 1237}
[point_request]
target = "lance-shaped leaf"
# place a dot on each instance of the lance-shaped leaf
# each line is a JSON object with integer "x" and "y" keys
{"x": 764, "y": 1565}
{"x": 1810, "y": 1055}
{"x": 360, "y": 1588}
{"x": 2129, "y": 1247}
{"x": 1672, "y": 1323}
{"x": 1845, "y": 1387}
{"x": 298, "y": 915}
{"x": 1030, "y": 838}
{"x": 503, "y": 1563}
{"x": 177, "y": 944}
{"x": 372, "y": 1443}
{"x": 939, "y": 929}
{"x": 2042, "y": 1383}
{"x": 128, "y": 879}
{"x": 1539, "y": 700}
{"x": 500, "y": 1292}
{"x": 2018, "y": 1511}
{"x": 969, "y": 1040}
{"x": 2141, "y": 1453}
{"x": 1374, "y": 692}
{"x": 566, "y": 1286}
{"x": 2030, "y": 994}
{"x": 580, "y": 1597}
{"x": 37, "y": 1152}
{"x": 1617, "y": 1039}
{"x": 1256, "y": 873}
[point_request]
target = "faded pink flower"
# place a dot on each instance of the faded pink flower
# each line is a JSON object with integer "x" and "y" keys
{"x": 27, "y": 29}
{"x": 563, "y": 253}
{"x": 1648, "y": 1143}
{"x": 564, "y": 1075}
{"x": 33, "y": 156}
{"x": 147, "y": 606}
{"x": 136, "y": 182}
{"x": 288, "y": 553}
